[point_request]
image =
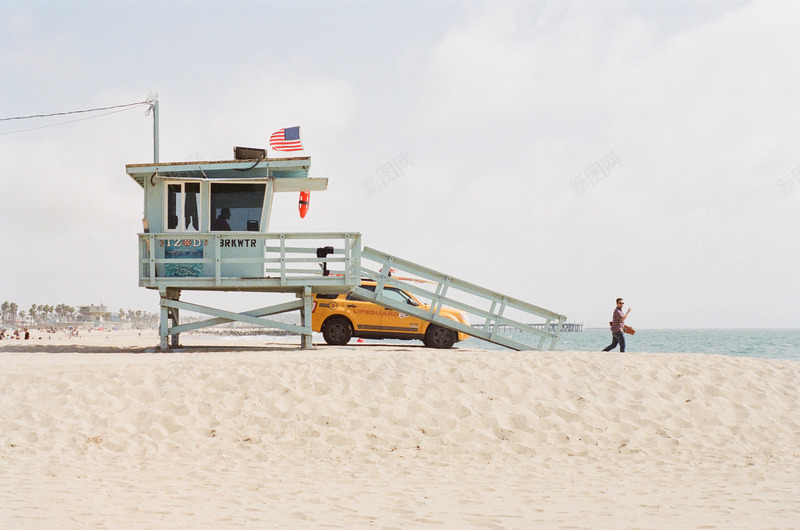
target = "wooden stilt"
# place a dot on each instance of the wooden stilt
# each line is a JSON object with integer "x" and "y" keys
{"x": 306, "y": 342}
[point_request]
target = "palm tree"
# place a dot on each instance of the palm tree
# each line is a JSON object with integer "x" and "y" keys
{"x": 5, "y": 307}
{"x": 64, "y": 311}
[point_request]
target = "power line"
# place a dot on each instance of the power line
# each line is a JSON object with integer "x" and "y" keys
{"x": 148, "y": 101}
{"x": 65, "y": 122}
{"x": 151, "y": 98}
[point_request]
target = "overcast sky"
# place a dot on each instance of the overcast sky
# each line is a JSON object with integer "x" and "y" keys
{"x": 689, "y": 110}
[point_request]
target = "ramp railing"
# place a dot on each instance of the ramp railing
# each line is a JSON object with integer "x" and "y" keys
{"x": 494, "y": 317}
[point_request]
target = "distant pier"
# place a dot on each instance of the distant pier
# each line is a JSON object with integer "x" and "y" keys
{"x": 566, "y": 327}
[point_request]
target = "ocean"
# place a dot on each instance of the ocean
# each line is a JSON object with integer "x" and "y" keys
{"x": 781, "y": 344}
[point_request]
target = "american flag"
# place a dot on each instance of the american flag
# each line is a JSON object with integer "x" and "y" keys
{"x": 287, "y": 139}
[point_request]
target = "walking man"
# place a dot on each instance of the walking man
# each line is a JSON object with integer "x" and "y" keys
{"x": 617, "y": 327}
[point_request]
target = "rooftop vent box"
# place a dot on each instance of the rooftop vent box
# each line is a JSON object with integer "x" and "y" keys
{"x": 249, "y": 153}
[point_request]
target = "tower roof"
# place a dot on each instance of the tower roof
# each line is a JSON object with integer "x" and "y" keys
{"x": 224, "y": 169}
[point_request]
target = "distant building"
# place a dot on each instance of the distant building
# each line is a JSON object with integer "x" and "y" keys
{"x": 94, "y": 313}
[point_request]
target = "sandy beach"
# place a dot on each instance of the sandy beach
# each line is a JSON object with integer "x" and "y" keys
{"x": 102, "y": 431}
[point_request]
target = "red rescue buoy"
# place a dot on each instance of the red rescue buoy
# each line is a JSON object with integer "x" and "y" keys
{"x": 305, "y": 198}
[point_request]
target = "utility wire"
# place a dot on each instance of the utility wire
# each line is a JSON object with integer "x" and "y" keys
{"x": 64, "y": 122}
{"x": 149, "y": 101}
{"x": 151, "y": 98}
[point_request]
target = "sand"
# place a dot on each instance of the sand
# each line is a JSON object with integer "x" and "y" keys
{"x": 103, "y": 432}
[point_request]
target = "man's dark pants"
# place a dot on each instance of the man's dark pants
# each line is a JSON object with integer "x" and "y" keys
{"x": 617, "y": 337}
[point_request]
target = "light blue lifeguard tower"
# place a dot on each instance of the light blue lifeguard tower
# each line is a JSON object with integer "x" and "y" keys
{"x": 206, "y": 228}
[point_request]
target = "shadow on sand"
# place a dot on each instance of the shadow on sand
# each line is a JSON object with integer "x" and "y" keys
{"x": 39, "y": 347}
{"x": 83, "y": 348}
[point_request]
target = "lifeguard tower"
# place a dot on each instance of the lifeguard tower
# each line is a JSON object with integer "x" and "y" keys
{"x": 206, "y": 228}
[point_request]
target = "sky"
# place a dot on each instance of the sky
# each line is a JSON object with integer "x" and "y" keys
{"x": 562, "y": 152}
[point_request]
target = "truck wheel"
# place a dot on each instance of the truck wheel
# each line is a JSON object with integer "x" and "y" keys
{"x": 439, "y": 337}
{"x": 337, "y": 331}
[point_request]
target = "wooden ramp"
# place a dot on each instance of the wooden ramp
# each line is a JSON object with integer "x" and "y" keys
{"x": 495, "y": 317}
